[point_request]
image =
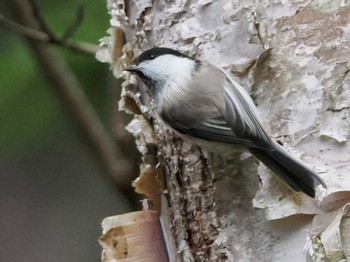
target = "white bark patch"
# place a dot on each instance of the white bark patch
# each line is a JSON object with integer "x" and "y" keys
{"x": 302, "y": 90}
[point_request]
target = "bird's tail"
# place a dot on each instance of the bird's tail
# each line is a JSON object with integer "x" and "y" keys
{"x": 291, "y": 170}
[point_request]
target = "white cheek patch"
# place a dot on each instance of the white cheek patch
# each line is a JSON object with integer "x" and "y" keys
{"x": 171, "y": 74}
{"x": 169, "y": 68}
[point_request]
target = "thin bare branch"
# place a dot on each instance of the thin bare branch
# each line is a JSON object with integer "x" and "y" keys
{"x": 71, "y": 94}
{"x": 85, "y": 48}
{"x": 72, "y": 28}
{"x": 42, "y": 25}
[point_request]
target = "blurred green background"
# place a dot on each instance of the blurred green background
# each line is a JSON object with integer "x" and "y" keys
{"x": 53, "y": 193}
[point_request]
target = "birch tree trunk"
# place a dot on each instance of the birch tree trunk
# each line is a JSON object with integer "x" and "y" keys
{"x": 293, "y": 58}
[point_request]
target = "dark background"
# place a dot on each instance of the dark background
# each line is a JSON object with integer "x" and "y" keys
{"x": 53, "y": 190}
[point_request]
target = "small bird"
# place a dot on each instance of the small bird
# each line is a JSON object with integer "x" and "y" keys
{"x": 199, "y": 100}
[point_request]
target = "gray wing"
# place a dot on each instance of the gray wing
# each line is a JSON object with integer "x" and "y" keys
{"x": 237, "y": 122}
{"x": 214, "y": 130}
{"x": 242, "y": 117}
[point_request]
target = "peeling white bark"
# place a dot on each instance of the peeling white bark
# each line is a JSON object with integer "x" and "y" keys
{"x": 303, "y": 95}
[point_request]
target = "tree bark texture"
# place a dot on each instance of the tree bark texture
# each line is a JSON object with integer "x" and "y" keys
{"x": 292, "y": 57}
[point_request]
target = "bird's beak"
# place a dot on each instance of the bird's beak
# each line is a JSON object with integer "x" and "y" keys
{"x": 131, "y": 68}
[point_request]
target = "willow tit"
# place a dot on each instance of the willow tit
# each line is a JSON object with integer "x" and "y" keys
{"x": 195, "y": 98}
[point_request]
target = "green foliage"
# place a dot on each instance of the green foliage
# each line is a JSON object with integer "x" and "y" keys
{"x": 30, "y": 112}
{"x": 60, "y": 14}
{"x": 26, "y": 107}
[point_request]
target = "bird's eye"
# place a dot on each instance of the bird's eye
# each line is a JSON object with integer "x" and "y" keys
{"x": 152, "y": 56}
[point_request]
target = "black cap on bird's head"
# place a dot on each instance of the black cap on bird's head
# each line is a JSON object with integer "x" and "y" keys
{"x": 155, "y": 52}
{"x": 159, "y": 65}
{"x": 152, "y": 54}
